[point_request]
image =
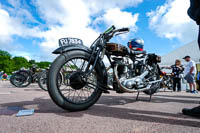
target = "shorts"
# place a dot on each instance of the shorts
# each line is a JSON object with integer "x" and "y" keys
{"x": 190, "y": 78}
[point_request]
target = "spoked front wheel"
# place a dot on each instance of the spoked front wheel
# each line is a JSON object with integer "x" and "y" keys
{"x": 76, "y": 91}
{"x": 42, "y": 80}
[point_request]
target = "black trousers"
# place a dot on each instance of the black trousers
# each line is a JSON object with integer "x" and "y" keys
{"x": 199, "y": 38}
{"x": 177, "y": 82}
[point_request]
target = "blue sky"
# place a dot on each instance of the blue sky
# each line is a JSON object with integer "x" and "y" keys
{"x": 31, "y": 28}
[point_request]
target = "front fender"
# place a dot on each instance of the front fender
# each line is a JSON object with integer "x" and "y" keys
{"x": 68, "y": 48}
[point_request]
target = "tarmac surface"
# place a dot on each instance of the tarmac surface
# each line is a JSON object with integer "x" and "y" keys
{"x": 113, "y": 113}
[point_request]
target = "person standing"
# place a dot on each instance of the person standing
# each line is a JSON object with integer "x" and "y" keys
{"x": 194, "y": 14}
{"x": 190, "y": 72}
{"x": 177, "y": 69}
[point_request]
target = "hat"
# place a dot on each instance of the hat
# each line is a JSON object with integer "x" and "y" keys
{"x": 186, "y": 57}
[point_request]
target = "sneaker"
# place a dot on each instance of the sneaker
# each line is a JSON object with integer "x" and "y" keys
{"x": 195, "y": 112}
{"x": 194, "y": 91}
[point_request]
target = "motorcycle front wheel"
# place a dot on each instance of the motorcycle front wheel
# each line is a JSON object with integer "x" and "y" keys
{"x": 42, "y": 80}
{"x": 76, "y": 92}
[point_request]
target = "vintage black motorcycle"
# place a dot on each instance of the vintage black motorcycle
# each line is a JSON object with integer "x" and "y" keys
{"x": 85, "y": 75}
{"x": 23, "y": 78}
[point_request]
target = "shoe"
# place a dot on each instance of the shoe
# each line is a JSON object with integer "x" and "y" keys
{"x": 194, "y": 91}
{"x": 195, "y": 112}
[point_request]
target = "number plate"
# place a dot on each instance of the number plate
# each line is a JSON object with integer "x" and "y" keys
{"x": 70, "y": 41}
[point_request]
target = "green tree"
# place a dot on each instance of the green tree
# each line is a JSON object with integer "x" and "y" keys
{"x": 6, "y": 64}
{"x": 43, "y": 64}
{"x": 20, "y": 62}
{"x": 31, "y": 62}
{"x": 9, "y": 64}
{"x": 5, "y": 54}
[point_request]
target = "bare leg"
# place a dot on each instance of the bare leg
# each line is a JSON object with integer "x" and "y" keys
{"x": 190, "y": 84}
{"x": 194, "y": 86}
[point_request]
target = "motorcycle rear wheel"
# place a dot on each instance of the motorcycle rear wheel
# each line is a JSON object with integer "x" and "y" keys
{"x": 79, "y": 95}
{"x": 20, "y": 80}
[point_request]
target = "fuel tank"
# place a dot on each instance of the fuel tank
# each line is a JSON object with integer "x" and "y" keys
{"x": 116, "y": 49}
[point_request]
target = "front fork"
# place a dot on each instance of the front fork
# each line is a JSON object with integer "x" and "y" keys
{"x": 99, "y": 55}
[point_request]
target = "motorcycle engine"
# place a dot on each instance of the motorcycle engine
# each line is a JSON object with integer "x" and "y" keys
{"x": 133, "y": 75}
{"x": 130, "y": 75}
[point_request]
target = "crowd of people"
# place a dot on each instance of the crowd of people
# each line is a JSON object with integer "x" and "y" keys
{"x": 187, "y": 72}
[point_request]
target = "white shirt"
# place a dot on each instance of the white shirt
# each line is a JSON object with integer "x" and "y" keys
{"x": 188, "y": 66}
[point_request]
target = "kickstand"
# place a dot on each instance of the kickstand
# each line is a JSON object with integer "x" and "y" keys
{"x": 137, "y": 95}
{"x": 150, "y": 98}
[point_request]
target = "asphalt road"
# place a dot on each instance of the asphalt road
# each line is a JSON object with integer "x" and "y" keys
{"x": 114, "y": 113}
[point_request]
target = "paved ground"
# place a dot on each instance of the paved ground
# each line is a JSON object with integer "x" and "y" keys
{"x": 114, "y": 113}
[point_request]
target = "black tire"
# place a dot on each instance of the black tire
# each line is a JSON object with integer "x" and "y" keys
{"x": 157, "y": 77}
{"x": 11, "y": 79}
{"x": 25, "y": 79}
{"x": 53, "y": 85}
{"x": 42, "y": 80}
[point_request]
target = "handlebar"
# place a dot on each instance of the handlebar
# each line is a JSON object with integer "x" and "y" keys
{"x": 123, "y": 30}
{"x": 110, "y": 32}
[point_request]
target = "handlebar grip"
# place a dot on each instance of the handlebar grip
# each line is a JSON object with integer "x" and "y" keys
{"x": 124, "y": 29}
{"x": 109, "y": 30}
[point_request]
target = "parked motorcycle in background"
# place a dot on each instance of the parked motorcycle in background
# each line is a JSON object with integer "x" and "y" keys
{"x": 42, "y": 79}
{"x": 23, "y": 78}
{"x": 167, "y": 82}
{"x": 85, "y": 75}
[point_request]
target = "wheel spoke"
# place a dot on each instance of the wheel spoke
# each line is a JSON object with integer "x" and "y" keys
{"x": 66, "y": 88}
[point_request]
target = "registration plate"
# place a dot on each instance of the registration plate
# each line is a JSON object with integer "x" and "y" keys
{"x": 69, "y": 41}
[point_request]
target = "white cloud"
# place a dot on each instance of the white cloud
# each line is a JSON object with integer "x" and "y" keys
{"x": 71, "y": 18}
{"x": 119, "y": 18}
{"x": 66, "y": 21}
{"x": 171, "y": 21}
{"x": 10, "y": 26}
{"x": 97, "y": 6}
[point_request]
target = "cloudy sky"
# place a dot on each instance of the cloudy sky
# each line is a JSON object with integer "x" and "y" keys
{"x": 31, "y": 28}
